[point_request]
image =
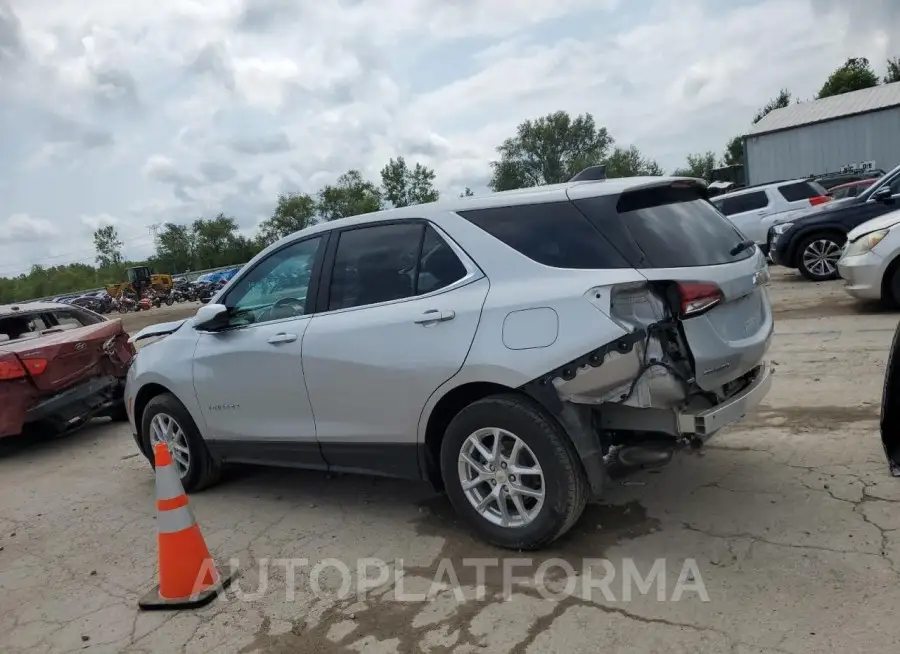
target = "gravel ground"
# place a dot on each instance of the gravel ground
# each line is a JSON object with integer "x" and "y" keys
{"x": 790, "y": 518}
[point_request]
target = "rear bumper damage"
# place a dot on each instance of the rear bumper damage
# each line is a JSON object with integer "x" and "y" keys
{"x": 705, "y": 423}
{"x": 79, "y": 403}
{"x": 619, "y": 423}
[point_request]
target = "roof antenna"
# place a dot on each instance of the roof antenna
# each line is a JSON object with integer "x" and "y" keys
{"x": 590, "y": 174}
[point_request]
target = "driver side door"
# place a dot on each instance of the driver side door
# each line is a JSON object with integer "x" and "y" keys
{"x": 249, "y": 376}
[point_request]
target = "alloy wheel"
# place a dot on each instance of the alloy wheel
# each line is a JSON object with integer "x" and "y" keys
{"x": 501, "y": 477}
{"x": 820, "y": 257}
{"x": 165, "y": 429}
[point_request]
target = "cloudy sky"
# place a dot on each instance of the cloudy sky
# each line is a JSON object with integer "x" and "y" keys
{"x": 144, "y": 111}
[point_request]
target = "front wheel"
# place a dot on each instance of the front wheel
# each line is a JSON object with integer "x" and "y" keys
{"x": 511, "y": 472}
{"x": 818, "y": 255}
{"x": 166, "y": 420}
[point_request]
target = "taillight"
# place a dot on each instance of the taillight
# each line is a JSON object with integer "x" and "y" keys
{"x": 35, "y": 366}
{"x": 10, "y": 368}
{"x": 698, "y": 297}
{"x": 819, "y": 199}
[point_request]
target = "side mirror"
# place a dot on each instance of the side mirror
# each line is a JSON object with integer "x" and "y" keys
{"x": 883, "y": 194}
{"x": 211, "y": 317}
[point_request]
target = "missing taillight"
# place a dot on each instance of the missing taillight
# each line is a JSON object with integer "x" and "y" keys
{"x": 697, "y": 297}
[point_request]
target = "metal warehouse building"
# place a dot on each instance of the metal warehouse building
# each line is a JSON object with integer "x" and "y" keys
{"x": 851, "y": 130}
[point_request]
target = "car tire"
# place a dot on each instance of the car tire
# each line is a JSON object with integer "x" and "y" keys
{"x": 818, "y": 254}
{"x": 201, "y": 469}
{"x": 890, "y": 287}
{"x": 562, "y": 479}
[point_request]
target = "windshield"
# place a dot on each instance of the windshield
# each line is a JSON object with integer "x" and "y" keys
{"x": 881, "y": 181}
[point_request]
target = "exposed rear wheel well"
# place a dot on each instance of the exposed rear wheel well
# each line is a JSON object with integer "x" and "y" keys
{"x": 144, "y": 395}
{"x": 445, "y": 410}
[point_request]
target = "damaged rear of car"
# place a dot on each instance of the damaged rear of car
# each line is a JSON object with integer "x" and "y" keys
{"x": 702, "y": 313}
{"x": 671, "y": 349}
{"x": 59, "y": 366}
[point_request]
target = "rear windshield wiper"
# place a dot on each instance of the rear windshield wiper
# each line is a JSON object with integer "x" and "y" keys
{"x": 740, "y": 247}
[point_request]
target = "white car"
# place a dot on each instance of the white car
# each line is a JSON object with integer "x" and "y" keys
{"x": 512, "y": 349}
{"x": 870, "y": 262}
{"x": 753, "y": 209}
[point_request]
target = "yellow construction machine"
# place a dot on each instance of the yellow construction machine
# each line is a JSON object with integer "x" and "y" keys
{"x": 140, "y": 279}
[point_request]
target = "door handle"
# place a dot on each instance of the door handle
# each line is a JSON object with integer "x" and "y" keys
{"x": 282, "y": 338}
{"x": 433, "y": 315}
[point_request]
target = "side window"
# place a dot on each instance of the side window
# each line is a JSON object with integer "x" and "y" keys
{"x": 438, "y": 265}
{"x": 744, "y": 202}
{"x": 554, "y": 234}
{"x": 800, "y": 191}
{"x": 277, "y": 287}
{"x": 895, "y": 185}
{"x": 375, "y": 264}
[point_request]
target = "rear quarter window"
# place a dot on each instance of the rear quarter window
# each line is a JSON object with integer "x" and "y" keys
{"x": 801, "y": 191}
{"x": 554, "y": 234}
{"x": 665, "y": 227}
{"x": 735, "y": 204}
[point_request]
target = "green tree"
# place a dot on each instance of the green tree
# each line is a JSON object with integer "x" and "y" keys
{"x": 294, "y": 211}
{"x": 218, "y": 242}
{"x": 629, "y": 162}
{"x": 108, "y": 246}
{"x": 350, "y": 196}
{"x": 467, "y": 193}
{"x": 893, "y": 71}
{"x": 855, "y": 74}
{"x": 734, "y": 151}
{"x": 780, "y": 101}
{"x": 549, "y": 150}
{"x": 698, "y": 165}
{"x": 403, "y": 186}
{"x": 176, "y": 248}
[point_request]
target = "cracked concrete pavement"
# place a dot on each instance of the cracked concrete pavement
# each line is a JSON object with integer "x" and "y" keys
{"x": 791, "y": 517}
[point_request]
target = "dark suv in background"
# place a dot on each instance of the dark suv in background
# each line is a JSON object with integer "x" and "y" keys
{"x": 811, "y": 240}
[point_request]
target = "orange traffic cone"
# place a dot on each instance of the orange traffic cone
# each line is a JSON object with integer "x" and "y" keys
{"x": 187, "y": 573}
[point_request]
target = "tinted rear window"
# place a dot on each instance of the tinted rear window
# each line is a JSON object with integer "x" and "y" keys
{"x": 665, "y": 227}
{"x": 744, "y": 202}
{"x": 801, "y": 191}
{"x": 555, "y": 234}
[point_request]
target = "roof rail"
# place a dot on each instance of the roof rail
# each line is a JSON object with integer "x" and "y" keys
{"x": 590, "y": 174}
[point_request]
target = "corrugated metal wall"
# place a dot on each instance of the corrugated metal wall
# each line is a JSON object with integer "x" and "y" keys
{"x": 825, "y": 147}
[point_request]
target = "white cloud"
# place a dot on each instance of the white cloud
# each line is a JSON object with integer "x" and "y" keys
{"x": 152, "y": 110}
{"x": 20, "y": 227}
{"x": 94, "y": 223}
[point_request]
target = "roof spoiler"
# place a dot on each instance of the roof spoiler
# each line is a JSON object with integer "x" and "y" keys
{"x": 590, "y": 174}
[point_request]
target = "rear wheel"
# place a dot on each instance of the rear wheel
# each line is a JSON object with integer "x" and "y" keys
{"x": 818, "y": 255}
{"x": 511, "y": 473}
{"x": 165, "y": 420}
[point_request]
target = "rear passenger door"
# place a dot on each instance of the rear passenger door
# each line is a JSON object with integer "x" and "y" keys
{"x": 746, "y": 212}
{"x": 397, "y": 313}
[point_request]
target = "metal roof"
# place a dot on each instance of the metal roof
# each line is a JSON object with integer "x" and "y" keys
{"x": 836, "y": 106}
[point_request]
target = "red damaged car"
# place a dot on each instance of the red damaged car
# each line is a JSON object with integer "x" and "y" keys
{"x": 60, "y": 365}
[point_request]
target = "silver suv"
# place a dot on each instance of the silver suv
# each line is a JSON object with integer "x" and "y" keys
{"x": 518, "y": 350}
